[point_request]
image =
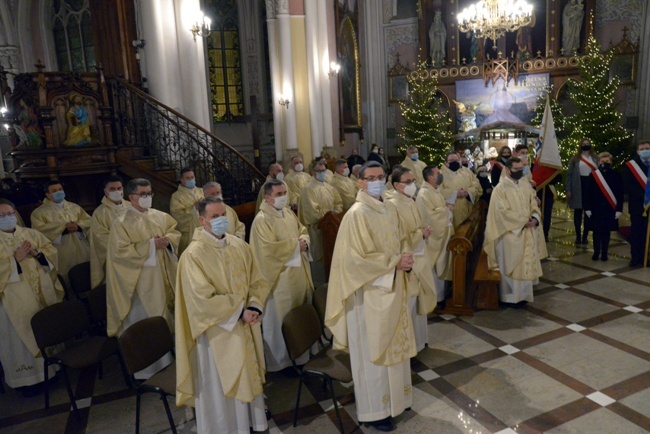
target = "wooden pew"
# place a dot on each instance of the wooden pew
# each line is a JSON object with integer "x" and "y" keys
{"x": 473, "y": 285}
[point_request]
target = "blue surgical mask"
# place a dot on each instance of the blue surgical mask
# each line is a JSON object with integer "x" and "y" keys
{"x": 320, "y": 176}
{"x": 526, "y": 170}
{"x": 415, "y": 157}
{"x": 644, "y": 154}
{"x": 190, "y": 183}
{"x": 219, "y": 225}
{"x": 376, "y": 188}
{"x": 58, "y": 196}
{"x": 8, "y": 223}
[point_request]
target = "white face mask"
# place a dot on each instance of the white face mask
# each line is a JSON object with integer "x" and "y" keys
{"x": 346, "y": 172}
{"x": 280, "y": 202}
{"x": 279, "y": 176}
{"x": 410, "y": 190}
{"x": 145, "y": 202}
{"x": 298, "y": 167}
{"x": 115, "y": 196}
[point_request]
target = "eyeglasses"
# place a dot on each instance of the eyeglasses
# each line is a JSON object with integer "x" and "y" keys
{"x": 9, "y": 214}
{"x": 375, "y": 178}
{"x": 142, "y": 194}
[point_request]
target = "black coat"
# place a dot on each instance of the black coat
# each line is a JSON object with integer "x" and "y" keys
{"x": 635, "y": 192}
{"x": 602, "y": 213}
{"x": 353, "y": 160}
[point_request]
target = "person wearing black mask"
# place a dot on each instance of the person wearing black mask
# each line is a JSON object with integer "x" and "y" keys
{"x": 459, "y": 187}
{"x": 604, "y": 203}
{"x": 580, "y": 168}
{"x": 497, "y": 166}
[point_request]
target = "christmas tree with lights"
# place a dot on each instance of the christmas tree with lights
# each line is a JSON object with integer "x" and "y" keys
{"x": 427, "y": 123}
{"x": 597, "y": 117}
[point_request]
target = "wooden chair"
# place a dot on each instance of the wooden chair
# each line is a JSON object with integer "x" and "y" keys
{"x": 301, "y": 330}
{"x": 63, "y": 323}
{"x": 141, "y": 345}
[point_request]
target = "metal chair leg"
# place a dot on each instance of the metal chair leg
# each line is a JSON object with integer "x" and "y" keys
{"x": 295, "y": 414}
{"x": 137, "y": 412}
{"x": 169, "y": 413}
{"x": 127, "y": 379}
{"x": 336, "y": 406}
{"x": 46, "y": 384}
{"x": 69, "y": 387}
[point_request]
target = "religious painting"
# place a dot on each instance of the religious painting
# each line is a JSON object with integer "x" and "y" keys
{"x": 399, "y": 88}
{"x": 478, "y": 105}
{"x": 623, "y": 66}
{"x": 348, "y": 55}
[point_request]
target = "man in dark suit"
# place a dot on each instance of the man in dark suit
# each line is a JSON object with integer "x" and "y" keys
{"x": 635, "y": 184}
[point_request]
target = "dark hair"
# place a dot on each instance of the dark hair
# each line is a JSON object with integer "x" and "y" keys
{"x": 398, "y": 172}
{"x": 203, "y": 203}
{"x": 510, "y": 161}
{"x": 503, "y": 148}
{"x": 272, "y": 165}
{"x": 428, "y": 171}
{"x": 184, "y": 170}
{"x": 340, "y": 163}
{"x": 520, "y": 146}
{"x": 133, "y": 185}
{"x": 50, "y": 183}
{"x": 317, "y": 162}
{"x": 7, "y": 202}
{"x": 112, "y": 179}
{"x": 268, "y": 186}
{"x": 368, "y": 165}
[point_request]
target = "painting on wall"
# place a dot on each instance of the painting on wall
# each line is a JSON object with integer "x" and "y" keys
{"x": 348, "y": 57}
{"x": 478, "y": 105}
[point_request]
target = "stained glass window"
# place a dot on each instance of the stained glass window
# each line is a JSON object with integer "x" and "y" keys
{"x": 73, "y": 36}
{"x": 224, "y": 61}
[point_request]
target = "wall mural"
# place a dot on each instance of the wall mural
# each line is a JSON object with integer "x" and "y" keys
{"x": 477, "y": 105}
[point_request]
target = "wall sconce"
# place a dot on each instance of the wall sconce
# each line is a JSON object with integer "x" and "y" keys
{"x": 334, "y": 69}
{"x": 284, "y": 102}
{"x": 201, "y": 27}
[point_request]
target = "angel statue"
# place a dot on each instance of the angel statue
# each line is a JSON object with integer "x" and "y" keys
{"x": 467, "y": 115}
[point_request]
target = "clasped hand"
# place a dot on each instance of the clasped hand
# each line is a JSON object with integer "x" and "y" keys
{"x": 71, "y": 227}
{"x": 303, "y": 244}
{"x": 250, "y": 317}
{"x": 532, "y": 222}
{"x": 426, "y": 232}
{"x": 161, "y": 242}
{"x": 406, "y": 263}
{"x": 24, "y": 251}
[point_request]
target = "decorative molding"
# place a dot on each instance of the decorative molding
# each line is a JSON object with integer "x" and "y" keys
{"x": 253, "y": 76}
{"x": 270, "y": 9}
{"x": 394, "y": 36}
{"x": 10, "y": 59}
{"x": 388, "y": 10}
{"x": 621, "y": 10}
{"x": 282, "y": 7}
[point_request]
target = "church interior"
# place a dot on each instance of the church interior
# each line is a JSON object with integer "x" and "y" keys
{"x": 229, "y": 87}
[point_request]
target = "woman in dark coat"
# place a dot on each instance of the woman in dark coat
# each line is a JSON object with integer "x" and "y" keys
{"x": 580, "y": 167}
{"x": 598, "y": 205}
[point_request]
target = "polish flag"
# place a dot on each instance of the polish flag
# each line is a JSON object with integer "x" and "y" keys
{"x": 548, "y": 163}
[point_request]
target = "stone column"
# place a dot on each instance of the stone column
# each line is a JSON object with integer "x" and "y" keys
{"x": 287, "y": 89}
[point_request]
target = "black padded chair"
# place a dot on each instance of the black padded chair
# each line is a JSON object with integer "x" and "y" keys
{"x": 319, "y": 301}
{"x": 65, "y": 323}
{"x": 79, "y": 277}
{"x": 301, "y": 329}
{"x": 141, "y": 345}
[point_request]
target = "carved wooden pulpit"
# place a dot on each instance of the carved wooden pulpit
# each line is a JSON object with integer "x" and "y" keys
{"x": 329, "y": 224}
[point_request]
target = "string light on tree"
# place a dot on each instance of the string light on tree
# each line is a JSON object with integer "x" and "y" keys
{"x": 427, "y": 123}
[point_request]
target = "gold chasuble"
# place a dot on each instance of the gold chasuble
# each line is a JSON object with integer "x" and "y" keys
{"x": 416, "y": 167}
{"x": 420, "y": 281}
{"x": 454, "y": 181}
{"x": 182, "y": 208}
{"x": 511, "y": 206}
{"x": 346, "y": 188}
{"x": 316, "y": 200}
{"x": 366, "y": 255}
{"x": 435, "y": 214}
{"x": 274, "y": 241}
{"x": 295, "y": 182}
{"x": 260, "y": 195}
{"x": 134, "y": 266}
{"x": 100, "y": 228}
{"x": 214, "y": 283}
{"x": 50, "y": 219}
{"x": 23, "y": 293}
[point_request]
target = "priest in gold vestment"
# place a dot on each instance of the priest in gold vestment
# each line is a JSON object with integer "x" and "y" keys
{"x": 235, "y": 227}
{"x": 141, "y": 264}
{"x": 66, "y": 224}
{"x": 367, "y": 303}
{"x": 220, "y": 293}
{"x": 296, "y": 180}
{"x": 113, "y": 205}
{"x": 182, "y": 207}
{"x": 436, "y": 214}
{"x": 412, "y": 162}
{"x": 280, "y": 245}
{"x": 317, "y": 199}
{"x": 459, "y": 187}
{"x": 514, "y": 242}
{"x": 414, "y": 238}
{"x": 346, "y": 187}
{"x": 275, "y": 172}
{"x": 28, "y": 283}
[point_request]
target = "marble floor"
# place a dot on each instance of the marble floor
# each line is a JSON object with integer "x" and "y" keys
{"x": 576, "y": 360}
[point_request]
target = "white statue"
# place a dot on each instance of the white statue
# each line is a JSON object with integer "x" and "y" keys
{"x": 437, "y": 39}
{"x": 572, "y": 26}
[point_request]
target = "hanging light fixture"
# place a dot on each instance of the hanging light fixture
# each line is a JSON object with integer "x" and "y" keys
{"x": 493, "y": 18}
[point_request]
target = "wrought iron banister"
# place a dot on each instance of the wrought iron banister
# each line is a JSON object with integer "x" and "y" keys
{"x": 174, "y": 142}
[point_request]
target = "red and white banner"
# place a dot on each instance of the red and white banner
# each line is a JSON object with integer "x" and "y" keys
{"x": 548, "y": 163}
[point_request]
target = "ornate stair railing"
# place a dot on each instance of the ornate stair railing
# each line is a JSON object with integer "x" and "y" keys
{"x": 174, "y": 142}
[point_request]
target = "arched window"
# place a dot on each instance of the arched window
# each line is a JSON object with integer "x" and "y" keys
{"x": 224, "y": 61}
{"x": 73, "y": 35}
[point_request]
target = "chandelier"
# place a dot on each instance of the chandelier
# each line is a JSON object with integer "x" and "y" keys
{"x": 493, "y": 18}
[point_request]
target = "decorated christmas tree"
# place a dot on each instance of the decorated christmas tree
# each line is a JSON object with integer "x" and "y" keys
{"x": 597, "y": 117}
{"x": 427, "y": 123}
